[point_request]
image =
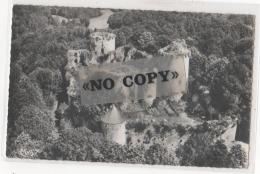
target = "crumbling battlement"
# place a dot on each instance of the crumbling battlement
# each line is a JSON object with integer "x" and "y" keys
{"x": 77, "y": 56}
{"x": 177, "y": 48}
{"x": 102, "y": 43}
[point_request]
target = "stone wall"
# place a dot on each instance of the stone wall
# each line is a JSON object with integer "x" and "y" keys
{"x": 102, "y": 43}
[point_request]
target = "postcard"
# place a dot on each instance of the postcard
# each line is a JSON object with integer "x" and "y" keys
{"x": 135, "y": 86}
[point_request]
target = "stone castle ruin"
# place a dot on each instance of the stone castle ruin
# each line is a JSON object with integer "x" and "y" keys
{"x": 102, "y": 50}
{"x": 101, "y": 44}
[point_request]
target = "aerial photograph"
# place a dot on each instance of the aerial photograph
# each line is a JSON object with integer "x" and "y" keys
{"x": 164, "y": 87}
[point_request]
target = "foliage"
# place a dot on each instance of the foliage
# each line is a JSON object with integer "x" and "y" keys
{"x": 157, "y": 154}
{"x": 144, "y": 39}
{"x": 37, "y": 69}
{"x": 116, "y": 153}
{"x": 115, "y": 21}
{"x": 208, "y": 30}
{"x": 22, "y": 93}
{"x": 25, "y": 147}
{"x": 191, "y": 152}
{"x": 73, "y": 144}
{"x": 36, "y": 122}
{"x": 47, "y": 79}
{"x": 205, "y": 149}
{"x": 120, "y": 38}
{"x": 29, "y": 19}
{"x": 238, "y": 156}
{"x": 82, "y": 145}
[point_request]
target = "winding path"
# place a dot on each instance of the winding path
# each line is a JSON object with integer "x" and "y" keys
{"x": 100, "y": 22}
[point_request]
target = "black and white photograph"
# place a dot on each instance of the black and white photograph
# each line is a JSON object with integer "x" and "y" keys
{"x": 130, "y": 86}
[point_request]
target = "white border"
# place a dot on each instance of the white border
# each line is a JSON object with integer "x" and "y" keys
{"x": 22, "y": 166}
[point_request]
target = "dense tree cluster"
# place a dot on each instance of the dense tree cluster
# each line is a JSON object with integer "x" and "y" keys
{"x": 204, "y": 149}
{"x": 213, "y": 33}
{"x": 81, "y": 144}
{"x": 37, "y": 78}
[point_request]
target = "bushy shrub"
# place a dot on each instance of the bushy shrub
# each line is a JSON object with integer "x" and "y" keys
{"x": 158, "y": 154}
{"x": 73, "y": 144}
{"x": 27, "y": 148}
{"x": 36, "y": 122}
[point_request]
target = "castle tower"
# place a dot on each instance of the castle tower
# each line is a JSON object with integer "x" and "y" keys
{"x": 177, "y": 48}
{"x": 102, "y": 43}
{"x": 113, "y": 126}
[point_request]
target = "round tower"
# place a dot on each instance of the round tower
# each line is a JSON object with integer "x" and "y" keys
{"x": 102, "y": 43}
{"x": 113, "y": 126}
{"x": 177, "y": 48}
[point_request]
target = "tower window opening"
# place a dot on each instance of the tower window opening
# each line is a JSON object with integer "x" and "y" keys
{"x": 82, "y": 59}
{"x": 102, "y": 48}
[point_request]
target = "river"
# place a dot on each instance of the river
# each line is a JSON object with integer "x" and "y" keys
{"x": 100, "y": 22}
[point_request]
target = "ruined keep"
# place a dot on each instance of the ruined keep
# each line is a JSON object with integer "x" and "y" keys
{"x": 102, "y": 43}
{"x": 113, "y": 126}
